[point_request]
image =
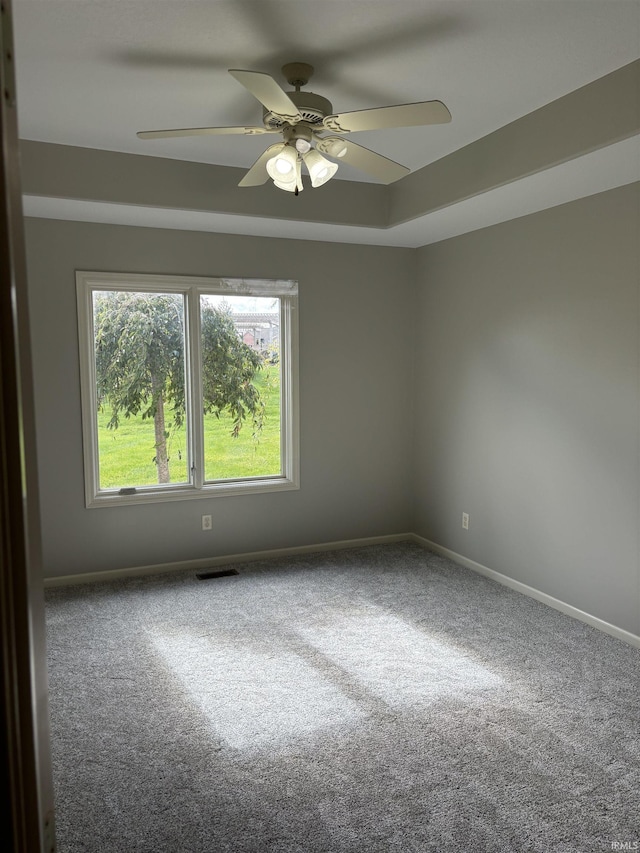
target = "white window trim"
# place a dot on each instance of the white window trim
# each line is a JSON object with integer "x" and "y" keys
{"x": 192, "y": 286}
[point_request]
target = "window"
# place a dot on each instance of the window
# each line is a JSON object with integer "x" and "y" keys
{"x": 189, "y": 386}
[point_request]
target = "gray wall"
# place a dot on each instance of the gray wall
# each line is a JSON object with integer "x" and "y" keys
{"x": 495, "y": 373}
{"x": 528, "y": 411}
{"x": 355, "y": 392}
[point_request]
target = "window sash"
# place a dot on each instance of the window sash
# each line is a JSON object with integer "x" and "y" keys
{"x": 191, "y": 288}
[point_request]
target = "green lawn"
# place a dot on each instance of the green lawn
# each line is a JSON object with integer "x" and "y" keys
{"x": 126, "y": 454}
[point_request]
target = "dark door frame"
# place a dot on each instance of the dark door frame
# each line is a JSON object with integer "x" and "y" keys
{"x": 28, "y": 819}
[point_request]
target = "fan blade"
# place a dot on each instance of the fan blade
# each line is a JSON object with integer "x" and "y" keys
{"x": 203, "y": 131}
{"x": 268, "y": 92}
{"x": 380, "y": 167}
{"x": 402, "y": 115}
{"x": 257, "y": 174}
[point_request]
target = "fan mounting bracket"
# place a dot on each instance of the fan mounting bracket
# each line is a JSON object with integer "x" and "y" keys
{"x": 297, "y": 74}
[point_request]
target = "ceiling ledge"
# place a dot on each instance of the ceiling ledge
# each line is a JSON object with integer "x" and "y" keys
{"x": 93, "y": 175}
{"x": 593, "y": 117}
{"x": 597, "y": 172}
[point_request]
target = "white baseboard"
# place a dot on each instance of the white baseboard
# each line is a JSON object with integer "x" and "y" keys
{"x": 563, "y": 607}
{"x": 252, "y": 556}
{"x": 211, "y": 562}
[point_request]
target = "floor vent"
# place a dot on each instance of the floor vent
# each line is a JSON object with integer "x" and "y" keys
{"x": 223, "y": 573}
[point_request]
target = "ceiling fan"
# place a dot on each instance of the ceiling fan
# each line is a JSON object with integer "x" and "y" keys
{"x": 304, "y": 119}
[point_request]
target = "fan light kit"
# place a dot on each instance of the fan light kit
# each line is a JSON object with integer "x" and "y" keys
{"x": 304, "y": 118}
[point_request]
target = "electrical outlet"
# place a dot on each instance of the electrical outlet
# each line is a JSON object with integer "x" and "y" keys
{"x": 465, "y": 520}
{"x": 206, "y": 522}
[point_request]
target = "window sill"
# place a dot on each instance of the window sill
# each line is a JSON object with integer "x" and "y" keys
{"x": 153, "y": 494}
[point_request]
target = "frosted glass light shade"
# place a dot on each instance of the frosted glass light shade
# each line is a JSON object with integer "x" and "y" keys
{"x": 290, "y": 187}
{"x": 282, "y": 166}
{"x": 290, "y": 184}
{"x": 320, "y": 169}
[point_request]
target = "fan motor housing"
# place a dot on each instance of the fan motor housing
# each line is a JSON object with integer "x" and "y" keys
{"x": 312, "y": 107}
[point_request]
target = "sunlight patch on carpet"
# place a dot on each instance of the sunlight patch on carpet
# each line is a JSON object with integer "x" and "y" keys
{"x": 251, "y": 696}
{"x": 393, "y": 660}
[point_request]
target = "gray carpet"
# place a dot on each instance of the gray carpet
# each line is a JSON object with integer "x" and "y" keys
{"x": 378, "y": 699}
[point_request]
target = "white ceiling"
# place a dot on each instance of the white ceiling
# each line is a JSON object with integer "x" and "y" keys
{"x": 93, "y": 72}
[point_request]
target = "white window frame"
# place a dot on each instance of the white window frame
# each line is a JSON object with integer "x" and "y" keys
{"x": 192, "y": 287}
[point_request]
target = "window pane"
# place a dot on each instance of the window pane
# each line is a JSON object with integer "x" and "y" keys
{"x": 241, "y": 386}
{"x": 140, "y": 388}
{"x": 155, "y": 431}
